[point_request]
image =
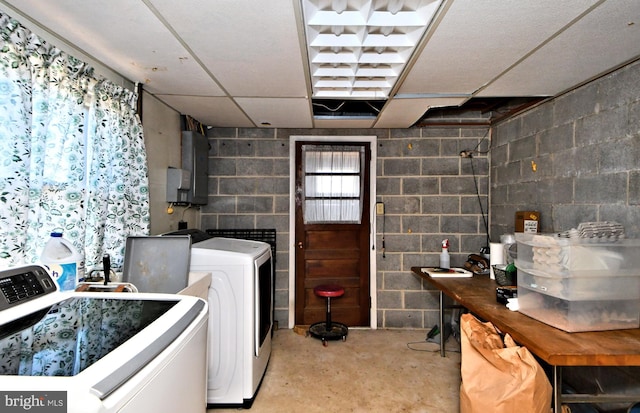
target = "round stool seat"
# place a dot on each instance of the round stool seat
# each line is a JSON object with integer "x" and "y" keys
{"x": 328, "y": 330}
{"x": 328, "y": 290}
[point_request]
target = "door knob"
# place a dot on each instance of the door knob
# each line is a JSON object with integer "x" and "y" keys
{"x": 300, "y": 244}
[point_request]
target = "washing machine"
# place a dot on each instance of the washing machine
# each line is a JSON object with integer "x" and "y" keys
{"x": 99, "y": 351}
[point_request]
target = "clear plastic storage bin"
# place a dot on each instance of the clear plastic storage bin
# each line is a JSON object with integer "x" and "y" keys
{"x": 579, "y": 315}
{"x": 600, "y": 287}
{"x": 579, "y": 284}
{"x": 565, "y": 257}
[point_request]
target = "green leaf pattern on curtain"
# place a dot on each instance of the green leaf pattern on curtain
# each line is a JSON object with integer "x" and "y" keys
{"x": 72, "y": 155}
{"x": 118, "y": 195}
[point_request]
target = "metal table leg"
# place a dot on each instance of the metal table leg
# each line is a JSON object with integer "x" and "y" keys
{"x": 441, "y": 324}
{"x": 557, "y": 389}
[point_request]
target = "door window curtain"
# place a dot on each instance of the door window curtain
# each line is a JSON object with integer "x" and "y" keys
{"x": 333, "y": 184}
{"x": 72, "y": 156}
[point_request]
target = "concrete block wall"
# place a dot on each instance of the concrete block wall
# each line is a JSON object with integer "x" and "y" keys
{"x": 249, "y": 189}
{"x": 585, "y": 146}
{"x": 429, "y": 193}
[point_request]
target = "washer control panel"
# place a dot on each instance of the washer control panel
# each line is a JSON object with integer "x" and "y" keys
{"x": 21, "y": 284}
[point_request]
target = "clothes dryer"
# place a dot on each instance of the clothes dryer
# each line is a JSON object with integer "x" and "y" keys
{"x": 240, "y": 316}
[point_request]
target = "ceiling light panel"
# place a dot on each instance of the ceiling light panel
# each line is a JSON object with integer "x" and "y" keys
{"x": 358, "y": 48}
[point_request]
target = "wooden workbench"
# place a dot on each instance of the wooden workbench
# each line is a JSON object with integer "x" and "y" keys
{"x": 556, "y": 347}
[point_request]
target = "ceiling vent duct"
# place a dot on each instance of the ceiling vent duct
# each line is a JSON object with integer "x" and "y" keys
{"x": 358, "y": 48}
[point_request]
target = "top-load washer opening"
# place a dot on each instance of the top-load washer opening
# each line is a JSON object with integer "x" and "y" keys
{"x": 66, "y": 338}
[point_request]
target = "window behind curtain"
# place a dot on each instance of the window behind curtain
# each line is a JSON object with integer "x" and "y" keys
{"x": 72, "y": 155}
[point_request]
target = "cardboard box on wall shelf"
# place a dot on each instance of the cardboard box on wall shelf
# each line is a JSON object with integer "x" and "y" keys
{"x": 527, "y": 221}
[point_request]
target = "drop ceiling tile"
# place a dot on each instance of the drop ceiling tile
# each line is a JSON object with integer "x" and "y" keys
{"x": 403, "y": 113}
{"x": 478, "y": 40}
{"x": 251, "y": 47}
{"x": 126, "y": 37}
{"x": 212, "y": 111}
{"x": 606, "y": 37}
{"x": 278, "y": 112}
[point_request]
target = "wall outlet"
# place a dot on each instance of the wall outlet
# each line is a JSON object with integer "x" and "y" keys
{"x": 380, "y": 208}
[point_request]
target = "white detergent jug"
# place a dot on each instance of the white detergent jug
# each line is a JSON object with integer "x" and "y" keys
{"x": 64, "y": 262}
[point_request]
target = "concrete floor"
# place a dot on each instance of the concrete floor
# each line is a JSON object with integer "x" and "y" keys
{"x": 372, "y": 371}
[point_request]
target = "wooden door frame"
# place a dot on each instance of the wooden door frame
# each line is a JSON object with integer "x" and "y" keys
{"x": 373, "y": 314}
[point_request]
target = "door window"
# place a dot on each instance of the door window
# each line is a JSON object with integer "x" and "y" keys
{"x": 333, "y": 184}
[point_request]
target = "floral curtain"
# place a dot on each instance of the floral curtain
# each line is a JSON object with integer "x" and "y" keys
{"x": 72, "y": 156}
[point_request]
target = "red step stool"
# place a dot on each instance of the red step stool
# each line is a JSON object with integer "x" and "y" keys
{"x": 329, "y": 330}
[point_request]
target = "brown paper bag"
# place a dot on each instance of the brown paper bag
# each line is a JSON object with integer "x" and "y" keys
{"x": 499, "y": 376}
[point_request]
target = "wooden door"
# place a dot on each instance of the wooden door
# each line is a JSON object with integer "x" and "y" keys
{"x": 331, "y": 245}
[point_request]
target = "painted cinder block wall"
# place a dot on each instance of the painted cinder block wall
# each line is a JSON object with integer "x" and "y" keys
{"x": 427, "y": 188}
{"x": 585, "y": 144}
{"x": 586, "y": 148}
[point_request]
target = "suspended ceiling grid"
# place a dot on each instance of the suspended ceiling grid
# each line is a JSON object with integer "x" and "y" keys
{"x": 245, "y": 63}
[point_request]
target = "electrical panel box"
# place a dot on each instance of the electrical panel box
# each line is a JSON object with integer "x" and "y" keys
{"x": 178, "y": 185}
{"x": 195, "y": 159}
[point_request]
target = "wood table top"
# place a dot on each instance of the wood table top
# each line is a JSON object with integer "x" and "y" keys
{"x": 555, "y": 346}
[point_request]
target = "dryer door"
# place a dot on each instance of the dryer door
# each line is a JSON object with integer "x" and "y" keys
{"x": 263, "y": 295}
